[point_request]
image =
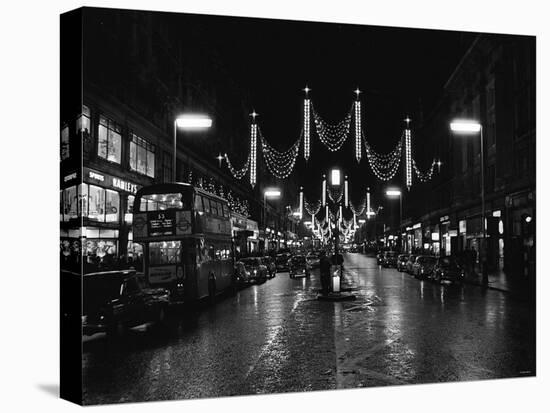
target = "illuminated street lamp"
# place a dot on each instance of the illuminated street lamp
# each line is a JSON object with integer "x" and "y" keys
{"x": 335, "y": 177}
{"x": 472, "y": 127}
{"x": 189, "y": 122}
{"x": 272, "y": 193}
{"x": 392, "y": 193}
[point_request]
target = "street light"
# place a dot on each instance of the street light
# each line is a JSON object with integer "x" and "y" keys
{"x": 470, "y": 127}
{"x": 272, "y": 193}
{"x": 189, "y": 122}
{"x": 391, "y": 192}
{"x": 335, "y": 177}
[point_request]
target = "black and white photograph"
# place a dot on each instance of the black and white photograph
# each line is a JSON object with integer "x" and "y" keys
{"x": 261, "y": 206}
{"x": 274, "y": 206}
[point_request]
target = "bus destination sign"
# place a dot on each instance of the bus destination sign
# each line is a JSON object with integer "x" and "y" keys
{"x": 162, "y": 223}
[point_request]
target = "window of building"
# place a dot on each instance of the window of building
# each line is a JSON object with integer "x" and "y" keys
{"x": 166, "y": 167}
{"x": 109, "y": 145}
{"x": 65, "y": 142}
{"x": 69, "y": 203}
{"x": 99, "y": 204}
{"x": 83, "y": 122}
{"x": 142, "y": 156}
{"x": 198, "y": 203}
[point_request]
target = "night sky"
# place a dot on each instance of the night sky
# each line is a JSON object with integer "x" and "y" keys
{"x": 400, "y": 72}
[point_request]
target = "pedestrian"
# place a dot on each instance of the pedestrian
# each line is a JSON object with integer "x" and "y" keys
{"x": 324, "y": 269}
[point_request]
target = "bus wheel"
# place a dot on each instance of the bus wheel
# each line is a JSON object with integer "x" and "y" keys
{"x": 212, "y": 292}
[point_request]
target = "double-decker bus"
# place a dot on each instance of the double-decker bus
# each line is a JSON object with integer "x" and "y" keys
{"x": 186, "y": 237}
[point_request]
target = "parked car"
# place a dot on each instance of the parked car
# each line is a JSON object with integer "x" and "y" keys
{"x": 313, "y": 259}
{"x": 298, "y": 267}
{"x": 402, "y": 262}
{"x": 380, "y": 257}
{"x": 269, "y": 262}
{"x": 410, "y": 262}
{"x": 115, "y": 300}
{"x": 423, "y": 266}
{"x": 256, "y": 270}
{"x": 281, "y": 262}
{"x": 242, "y": 275}
{"x": 447, "y": 271}
{"x": 390, "y": 259}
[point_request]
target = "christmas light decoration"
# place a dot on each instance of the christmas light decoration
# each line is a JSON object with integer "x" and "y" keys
{"x": 368, "y": 203}
{"x": 424, "y": 176}
{"x": 358, "y": 127}
{"x": 280, "y": 164}
{"x": 332, "y": 136}
{"x": 346, "y": 197}
{"x": 324, "y": 190}
{"x": 238, "y": 173}
{"x": 312, "y": 210}
{"x": 307, "y": 131}
{"x": 408, "y": 158}
{"x": 253, "y": 147}
{"x": 384, "y": 166}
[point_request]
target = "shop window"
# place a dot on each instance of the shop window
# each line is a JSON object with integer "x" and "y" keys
{"x": 130, "y": 204}
{"x": 65, "y": 142}
{"x": 142, "y": 156}
{"x": 112, "y": 204}
{"x": 99, "y": 204}
{"x": 70, "y": 203}
{"x": 83, "y": 122}
{"x": 109, "y": 145}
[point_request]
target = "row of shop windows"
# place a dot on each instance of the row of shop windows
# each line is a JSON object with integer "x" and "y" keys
{"x": 92, "y": 202}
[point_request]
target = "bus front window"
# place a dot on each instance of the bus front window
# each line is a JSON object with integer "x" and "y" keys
{"x": 161, "y": 202}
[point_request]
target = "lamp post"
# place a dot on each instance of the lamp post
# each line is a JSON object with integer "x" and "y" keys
{"x": 335, "y": 181}
{"x": 188, "y": 122}
{"x": 472, "y": 127}
{"x": 393, "y": 193}
{"x": 272, "y": 193}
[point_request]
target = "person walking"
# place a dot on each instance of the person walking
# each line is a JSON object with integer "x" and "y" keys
{"x": 324, "y": 269}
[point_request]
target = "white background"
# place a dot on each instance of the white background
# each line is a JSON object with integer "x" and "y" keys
{"x": 29, "y": 133}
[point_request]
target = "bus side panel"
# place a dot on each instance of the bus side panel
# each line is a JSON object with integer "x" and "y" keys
{"x": 203, "y": 273}
{"x": 225, "y": 272}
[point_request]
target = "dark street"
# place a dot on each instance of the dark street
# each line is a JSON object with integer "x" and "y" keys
{"x": 277, "y": 337}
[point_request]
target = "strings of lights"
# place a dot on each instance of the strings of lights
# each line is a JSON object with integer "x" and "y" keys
{"x": 358, "y": 128}
{"x": 280, "y": 164}
{"x": 253, "y": 148}
{"x": 307, "y": 131}
{"x": 424, "y": 176}
{"x": 384, "y": 166}
{"x": 238, "y": 173}
{"x": 312, "y": 209}
{"x": 362, "y": 205}
{"x": 332, "y": 136}
{"x": 408, "y": 158}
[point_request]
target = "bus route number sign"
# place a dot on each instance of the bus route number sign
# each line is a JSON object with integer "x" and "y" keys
{"x": 162, "y": 223}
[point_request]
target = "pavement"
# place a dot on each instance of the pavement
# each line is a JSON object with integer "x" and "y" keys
{"x": 517, "y": 285}
{"x": 277, "y": 337}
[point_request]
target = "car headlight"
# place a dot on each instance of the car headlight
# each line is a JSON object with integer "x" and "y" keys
{"x": 255, "y": 271}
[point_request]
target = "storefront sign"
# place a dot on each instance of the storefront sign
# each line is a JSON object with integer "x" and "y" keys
{"x": 125, "y": 186}
{"x": 444, "y": 218}
{"x": 462, "y": 226}
{"x": 435, "y": 236}
{"x": 453, "y": 233}
{"x": 69, "y": 177}
{"x": 110, "y": 181}
{"x": 415, "y": 226}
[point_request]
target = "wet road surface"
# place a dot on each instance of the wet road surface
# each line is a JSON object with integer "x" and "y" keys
{"x": 277, "y": 337}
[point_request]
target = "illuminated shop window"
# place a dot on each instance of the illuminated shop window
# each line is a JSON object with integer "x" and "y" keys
{"x": 142, "y": 156}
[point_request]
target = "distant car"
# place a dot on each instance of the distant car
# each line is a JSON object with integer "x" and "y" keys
{"x": 313, "y": 259}
{"x": 402, "y": 262}
{"x": 298, "y": 267}
{"x": 270, "y": 265}
{"x": 447, "y": 271}
{"x": 242, "y": 275}
{"x": 380, "y": 257}
{"x": 281, "y": 262}
{"x": 390, "y": 259}
{"x": 410, "y": 262}
{"x": 256, "y": 270}
{"x": 423, "y": 266}
{"x": 115, "y": 300}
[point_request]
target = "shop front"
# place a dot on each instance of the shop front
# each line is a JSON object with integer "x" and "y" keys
{"x": 104, "y": 202}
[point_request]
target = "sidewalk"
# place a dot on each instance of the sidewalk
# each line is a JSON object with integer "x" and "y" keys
{"x": 519, "y": 286}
